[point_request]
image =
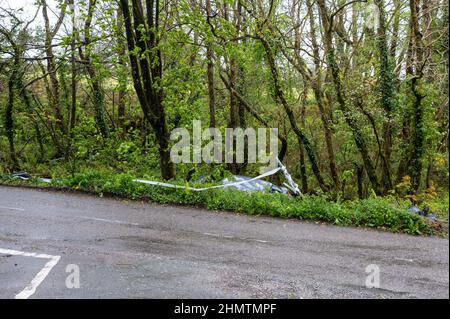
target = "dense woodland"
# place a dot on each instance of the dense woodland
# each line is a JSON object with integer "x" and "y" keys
{"x": 358, "y": 89}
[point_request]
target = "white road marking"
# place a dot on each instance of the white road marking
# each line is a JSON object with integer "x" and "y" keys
{"x": 209, "y": 234}
{"x": 261, "y": 241}
{"x": 12, "y": 208}
{"x": 30, "y": 289}
{"x": 405, "y": 259}
{"x": 114, "y": 221}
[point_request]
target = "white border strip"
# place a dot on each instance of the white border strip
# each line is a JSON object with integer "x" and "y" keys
{"x": 12, "y": 208}
{"x": 114, "y": 221}
{"x": 30, "y": 289}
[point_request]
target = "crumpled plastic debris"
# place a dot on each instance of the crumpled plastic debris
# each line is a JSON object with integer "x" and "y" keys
{"x": 425, "y": 212}
{"x": 25, "y": 176}
{"x": 21, "y": 175}
{"x": 253, "y": 186}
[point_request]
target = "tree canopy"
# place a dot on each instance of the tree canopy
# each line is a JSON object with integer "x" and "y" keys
{"x": 357, "y": 89}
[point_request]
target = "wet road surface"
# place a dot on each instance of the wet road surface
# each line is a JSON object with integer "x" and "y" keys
{"x": 126, "y": 249}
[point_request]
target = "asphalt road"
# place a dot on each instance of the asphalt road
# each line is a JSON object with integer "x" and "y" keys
{"x": 127, "y": 249}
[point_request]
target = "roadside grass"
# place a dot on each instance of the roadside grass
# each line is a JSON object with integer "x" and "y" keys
{"x": 440, "y": 206}
{"x": 376, "y": 212}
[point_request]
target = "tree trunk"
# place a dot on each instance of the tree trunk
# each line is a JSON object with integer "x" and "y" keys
{"x": 210, "y": 76}
{"x": 303, "y": 176}
{"x": 9, "y": 117}
{"x": 73, "y": 104}
{"x": 54, "y": 98}
{"x": 147, "y": 72}
{"x": 415, "y": 165}
{"x": 335, "y": 72}
{"x": 121, "y": 109}
{"x": 95, "y": 82}
{"x": 386, "y": 88}
{"x": 317, "y": 86}
{"x": 301, "y": 136}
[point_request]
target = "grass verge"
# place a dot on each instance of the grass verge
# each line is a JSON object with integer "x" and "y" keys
{"x": 380, "y": 213}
